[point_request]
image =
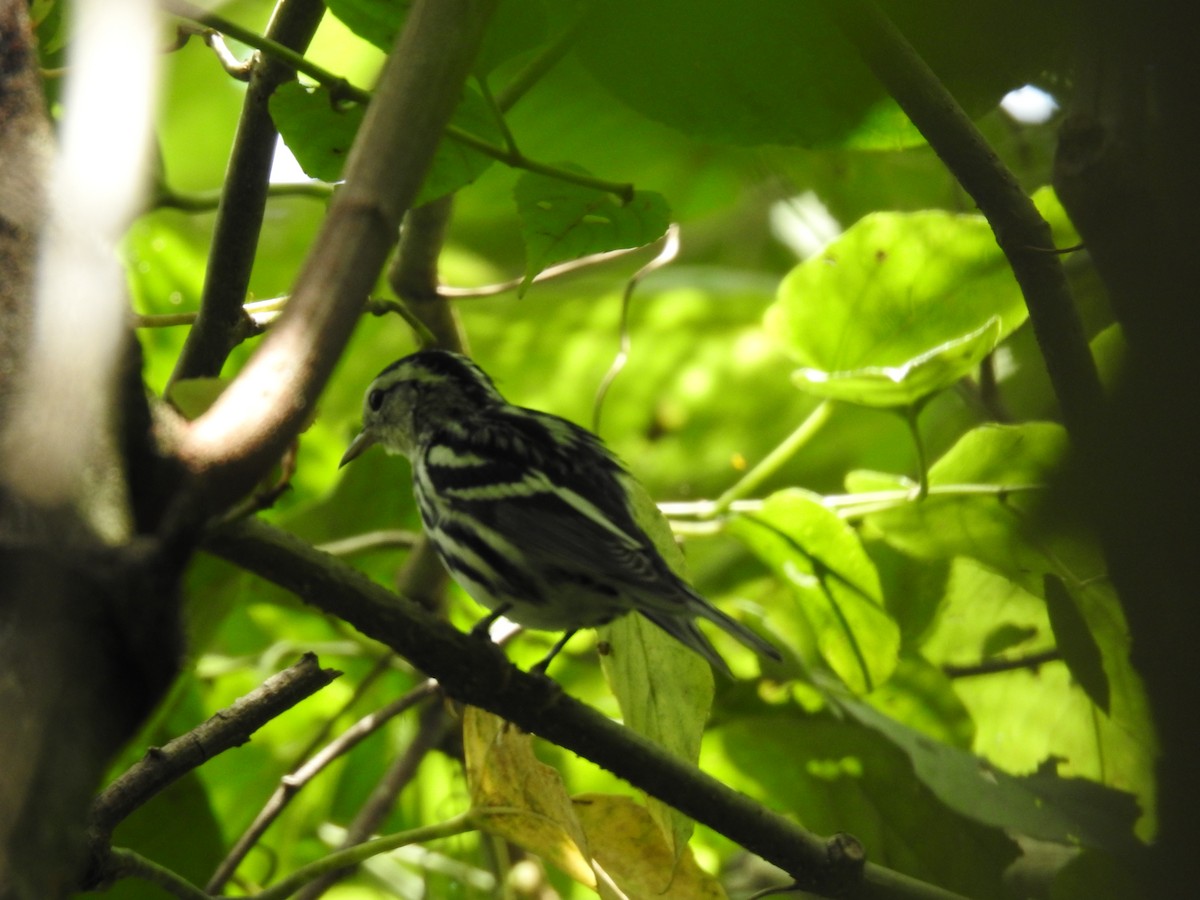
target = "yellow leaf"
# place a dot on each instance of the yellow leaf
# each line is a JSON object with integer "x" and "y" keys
{"x": 517, "y": 797}
{"x": 629, "y": 846}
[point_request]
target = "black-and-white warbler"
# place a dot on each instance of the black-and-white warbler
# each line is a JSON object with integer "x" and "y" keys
{"x": 530, "y": 513}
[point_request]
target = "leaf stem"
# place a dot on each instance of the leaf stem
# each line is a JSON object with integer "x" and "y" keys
{"x": 775, "y": 460}
{"x": 352, "y": 856}
{"x": 851, "y": 505}
{"x": 542, "y": 63}
{"x": 125, "y": 863}
{"x": 912, "y": 415}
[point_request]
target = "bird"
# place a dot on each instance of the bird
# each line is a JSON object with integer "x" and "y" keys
{"x": 530, "y": 513}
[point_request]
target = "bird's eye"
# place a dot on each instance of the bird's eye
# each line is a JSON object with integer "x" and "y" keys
{"x": 375, "y": 400}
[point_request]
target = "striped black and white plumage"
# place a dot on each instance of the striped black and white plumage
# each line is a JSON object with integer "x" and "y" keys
{"x": 530, "y": 513}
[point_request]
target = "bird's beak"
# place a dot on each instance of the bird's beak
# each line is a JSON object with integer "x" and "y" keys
{"x": 364, "y": 440}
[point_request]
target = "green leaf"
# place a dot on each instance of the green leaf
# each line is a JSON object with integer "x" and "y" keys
{"x": 833, "y": 774}
{"x": 834, "y": 581}
{"x": 664, "y": 689}
{"x": 1043, "y": 805}
{"x": 373, "y": 21}
{"x": 900, "y": 306}
{"x": 909, "y": 382}
{"x": 562, "y": 221}
{"x": 1005, "y": 533}
{"x": 1076, "y": 642}
{"x": 986, "y": 527}
{"x": 1098, "y": 876}
{"x": 320, "y": 132}
{"x": 317, "y": 130}
{"x": 516, "y": 26}
{"x": 766, "y": 72}
{"x": 920, "y": 696}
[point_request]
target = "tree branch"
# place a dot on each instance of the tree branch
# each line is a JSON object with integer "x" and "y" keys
{"x": 436, "y": 724}
{"x": 230, "y": 446}
{"x": 222, "y": 323}
{"x": 1021, "y": 232}
{"x": 1033, "y": 661}
{"x": 231, "y": 727}
{"x": 476, "y": 672}
{"x": 292, "y": 783}
{"x": 1126, "y": 171}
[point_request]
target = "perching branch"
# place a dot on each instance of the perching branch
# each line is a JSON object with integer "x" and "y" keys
{"x": 1021, "y": 232}
{"x": 244, "y": 432}
{"x": 476, "y": 672}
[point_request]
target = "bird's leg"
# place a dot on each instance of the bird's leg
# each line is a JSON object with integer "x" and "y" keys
{"x": 540, "y": 668}
{"x": 484, "y": 625}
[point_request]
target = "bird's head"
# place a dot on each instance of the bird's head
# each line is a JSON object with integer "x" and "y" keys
{"x": 416, "y": 395}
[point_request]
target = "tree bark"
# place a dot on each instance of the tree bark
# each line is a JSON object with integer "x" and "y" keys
{"x": 1126, "y": 172}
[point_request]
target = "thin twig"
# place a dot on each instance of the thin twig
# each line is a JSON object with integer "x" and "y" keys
{"x": 372, "y": 540}
{"x": 291, "y": 784}
{"x": 774, "y": 460}
{"x": 228, "y": 728}
{"x": 543, "y": 62}
{"x": 342, "y": 89}
{"x": 555, "y": 271}
{"x": 1033, "y": 661}
{"x": 166, "y": 197}
{"x": 120, "y": 862}
{"x": 222, "y": 324}
{"x": 670, "y": 250}
{"x": 359, "y": 853}
{"x": 435, "y": 726}
{"x": 236, "y": 68}
{"x": 261, "y": 312}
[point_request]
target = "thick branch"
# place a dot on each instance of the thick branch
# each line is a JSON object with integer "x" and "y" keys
{"x": 1021, "y": 232}
{"x": 1126, "y": 171}
{"x": 221, "y": 323}
{"x": 476, "y": 672}
{"x": 246, "y": 430}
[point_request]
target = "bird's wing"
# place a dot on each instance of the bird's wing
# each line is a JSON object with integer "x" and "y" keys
{"x": 564, "y": 511}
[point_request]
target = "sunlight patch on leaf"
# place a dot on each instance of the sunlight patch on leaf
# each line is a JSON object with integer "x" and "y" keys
{"x": 910, "y": 381}
{"x": 899, "y": 307}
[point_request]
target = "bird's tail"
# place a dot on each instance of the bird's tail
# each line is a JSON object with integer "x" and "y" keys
{"x": 698, "y": 606}
{"x": 686, "y": 631}
{"x": 689, "y": 634}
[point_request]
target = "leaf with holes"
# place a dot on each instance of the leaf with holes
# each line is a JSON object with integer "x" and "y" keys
{"x": 562, "y": 221}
